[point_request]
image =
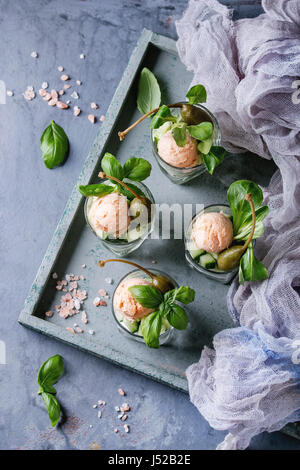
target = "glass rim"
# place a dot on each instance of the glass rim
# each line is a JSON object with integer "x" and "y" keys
{"x": 120, "y": 241}
{"x": 215, "y": 124}
{"x": 113, "y": 296}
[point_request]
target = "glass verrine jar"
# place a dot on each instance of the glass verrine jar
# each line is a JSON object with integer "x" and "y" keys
{"x": 130, "y": 240}
{"x": 131, "y": 329}
{"x": 183, "y": 175}
{"x": 192, "y": 253}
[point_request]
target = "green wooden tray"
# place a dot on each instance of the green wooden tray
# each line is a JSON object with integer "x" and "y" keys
{"x": 73, "y": 244}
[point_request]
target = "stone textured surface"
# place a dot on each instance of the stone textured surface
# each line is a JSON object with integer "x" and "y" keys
{"x": 33, "y": 199}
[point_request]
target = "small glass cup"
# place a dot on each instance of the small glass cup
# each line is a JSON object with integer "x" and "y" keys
{"x": 164, "y": 337}
{"x": 183, "y": 175}
{"x": 222, "y": 276}
{"x": 119, "y": 246}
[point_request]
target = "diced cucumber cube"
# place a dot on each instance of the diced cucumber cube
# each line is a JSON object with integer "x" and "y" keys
{"x": 214, "y": 255}
{"x": 207, "y": 261}
{"x": 132, "y": 326}
{"x": 195, "y": 251}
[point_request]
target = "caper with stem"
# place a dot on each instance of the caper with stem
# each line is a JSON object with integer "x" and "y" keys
{"x": 159, "y": 282}
{"x": 193, "y": 115}
{"x": 230, "y": 258}
{"x": 138, "y": 200}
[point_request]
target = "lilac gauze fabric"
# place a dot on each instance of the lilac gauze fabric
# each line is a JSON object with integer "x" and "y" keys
{"x": 250, "y": 381}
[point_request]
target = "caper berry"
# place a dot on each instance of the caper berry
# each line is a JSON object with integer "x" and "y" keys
{"x": 230, "y": 258}
{"x": 193, "y": 115}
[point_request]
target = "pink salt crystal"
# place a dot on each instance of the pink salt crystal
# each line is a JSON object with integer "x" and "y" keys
{"x": 60, "y": 68}
{"x": 54, "y": 94}
{"x": 91, "y": 118}
{"x": 76, "y": 111}
{"x": 61, "y": 105}
{"x": 103, "y": 303}
{"x": 84, "y": 317}
{"x": 67, "y": 86}
{"x": 96, "y": 301}
{"x": 42, "y": 92}
{"x": 102, "y": 118}
{"x": 47, "y": 97}
{"x": 52, "y": 102}
{"x": 61, "y": 92}
{"x": 70, "y": 330}
{"x": 102, "y": 292}
{"x": 78, "y": 329}
{"x": 65, "y": 77}
{"x": 121, "y": 392}
{"x": 49, "y": 314}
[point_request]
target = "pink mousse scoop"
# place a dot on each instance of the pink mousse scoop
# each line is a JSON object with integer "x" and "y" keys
{"x": 212, "y": 232}
{"x": 110, "y": 213}
{"x": 126, "y": 304}
{"x": 180, "y": 157}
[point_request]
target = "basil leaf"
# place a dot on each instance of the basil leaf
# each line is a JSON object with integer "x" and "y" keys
{"x": 214, "y": 158}
{"x": 202, "y": 131}
{"x": 250, "y": 268}
{"x": 50, "y": 372}
{"x": 52, "y": 406}
{"x": 241, "y": 209}
{"x": 244, "y": 231}
{"x": 205, "y": 146}
{"x": 149, "y": 95}
{"x": 127, "y": 193}
{"x": 163, "y": 115}
{"x": 185, "y": 294}
{"x": 151, "y": 327}
{"x": 95, "y": 190}
{"x": 54, "y": 145}
{"x": 196, "y": 94}
{"x": 137, "y": 169}
{"x": 178, "y": 317}
{"x": 112, "y": 167}
{"x": 147, "y": 296}
{"x": 179, "y": 135}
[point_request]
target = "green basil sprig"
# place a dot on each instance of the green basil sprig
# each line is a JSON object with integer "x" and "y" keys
{"x": 196, "y": 94}
{"x": 149, "y": 95}
{"x": 54, "y": 145}
{"x": 49, "y": 374}
{"x": 165, "y": 306}
{"x": 250, "y": 268}
{"x": 135, "y": 169}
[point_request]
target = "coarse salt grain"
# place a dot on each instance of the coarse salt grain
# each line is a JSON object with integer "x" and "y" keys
{"x": 109, "y": 280}
{"x": 49, "y": 314}
{"x": 70, "y": 330}
{"x": 45, "y": 85}
{"x": 95, "y": 406}
{"x": 96, "y": 301}
{"x": 120, "y": 416}
{"x": 117, "y": 408}
{"x": 34, "y": 54}
{"x": 99, "y": 414}
{"x": 76, "y": 111}
{"x": 91, "y": 118}
{"x": 78, "y": 82}
{"x": 62, "y": 105}
{"x": 102, "y": 292}
{"x": 116, "y": 431}
{"x": 84, "y": 317}
{"x": 67, "y": 86}
{"x": 42, "y": 92}
{"x": 121, "y": 392}
{"x": 126, "y": 427}
{"x": 60, "y": 68}
{"x": 54, "y": 94}
{"x": 83, "y": 265}
{"x": 29, "y": 94}
{"x": 82, "y": 56}
{"x": 91, "y": 332}
{"x": 10, "y": 93}
{"x": 61, "y": 92}
{"x": 52, "y": 102}
{"x": 65, "y": 77}
{"x": 124, "y": 417}
{"x": 75, "y": 95}
{"x": 47, "y": 97}
{"x": 102, "y": 118}
{"x": 94, "y": 105}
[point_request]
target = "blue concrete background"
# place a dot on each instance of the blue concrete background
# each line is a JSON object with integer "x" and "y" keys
{"x": 32, "y": 200}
